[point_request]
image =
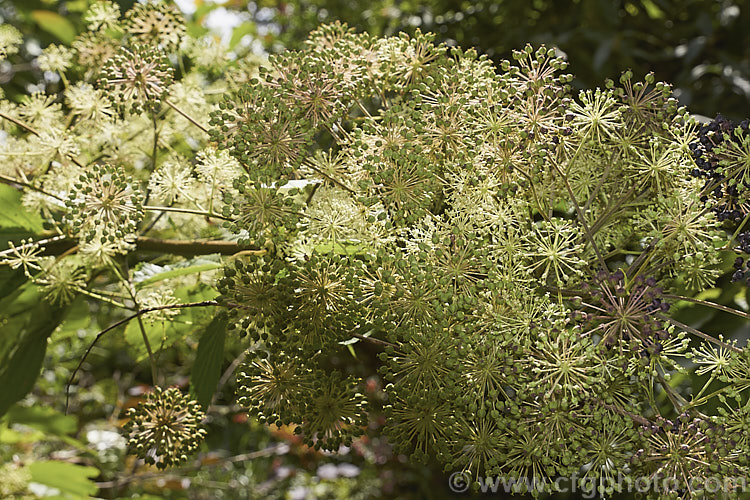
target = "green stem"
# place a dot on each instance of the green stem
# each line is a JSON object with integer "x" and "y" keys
{"x": 131, "y": 291}
{"x": 97, "y": 296}
{"x": 155, "y": 150}
{"x": 533, "y": 192}
{"x": 599, "y": 185}
{"x": 587, "y": 232}
{"x": 151, "y": 358}
{"x": 701, "y": 400}
{"x": 608, "y": 213}
{"x": 737, "y": 232}
{"x": 705, "y": 386}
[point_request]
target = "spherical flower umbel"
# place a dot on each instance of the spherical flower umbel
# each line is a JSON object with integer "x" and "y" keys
{"x": 334, "y": 412}
{"x": 165, "y": 428}
{"x": 61, "y": 281}
{"x": 102, "y": 15}
{"x": 618, "y": 311}
{"x": 10, "y": 39}
{"x": 156, "y": 23}
{"x": 137, "y": 78}
{"x": 55, "y": 58}
{"x": 686, "y": 454}
{"x": 103, "y": 203}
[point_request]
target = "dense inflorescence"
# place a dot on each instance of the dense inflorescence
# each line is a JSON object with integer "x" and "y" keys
{"x": 104, "y": 205}
{"x": 137, "y": 77}
{"x": 505, "y": 257}
{"x": 165, "y": 428}
{"x": 511, "y": 205}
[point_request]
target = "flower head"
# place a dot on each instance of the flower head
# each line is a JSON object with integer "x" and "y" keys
{"x": 92, "y": 49}
{"x": 155, "y": 23}
{"x": 102, "y": 15}
{"x": 684, "y": 453}
{"x": 55, "y": 58}
{"x": 10, "y": 39}
{"x": 270, "y": 387}
{"x": 25, "y": 255}
{"x": 597, "y": 117}
{"x": 555, "y": 249}
{"x": 172, "y": 181}
{"x": 625, "y": 313}
{"x": 88, "y": 102}
{"x": 333, "y": 413}
{"x": 137, "y": 78}
{"x": 165, "y": 428}
{"x": 61, "y": 281}
{"x": 103, "y": 202}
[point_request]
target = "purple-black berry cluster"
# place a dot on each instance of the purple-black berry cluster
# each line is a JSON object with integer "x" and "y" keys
{"x": 726, "y": 182}
{"x": 722, "y": 157}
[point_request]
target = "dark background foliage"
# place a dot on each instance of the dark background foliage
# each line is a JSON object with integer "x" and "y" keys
{"x": 699, "y": 46}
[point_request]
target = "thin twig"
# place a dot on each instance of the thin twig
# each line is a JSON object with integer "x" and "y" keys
{"x": 227, "y": 374}
{"x": 636, "y": 418}
{"x": 271, "y": 450}
{"x": 19, "y": 123}
{"x": 714, "y": 305}
{"x": 185, "y": 211}
{"x": 11, "y": 180}
{"x": 121, "y": 322}
{"x": 33, "y": 131}
{"x": 32, "y": 244}
{"x": 61, "y": 244}
{"x": 186, "y": 116}
{"x": 700, "y": 334}
{"x": 337, "y": 182}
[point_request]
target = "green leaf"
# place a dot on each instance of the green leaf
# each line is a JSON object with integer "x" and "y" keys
{"x": 351, "y": 351}
{"x": 21, "y": 370}
{"x": 240, "y": 31}
{"x": 204, "y": 8}
{"x": 11, "y": 280}
{"x": 14, "y": 437}
{"x": 55, "y": 24}
{"x": 78, "y": 318}
{"x": 149, "y": 275}
{"x": 162, "y": 334}
{"x": 70, "y": 479}
{"x": 77, "y": 6}
{"x": 43, "y": 418}
{"x": 14, "y": 314}
{"x": 26, "y": 321}
{"x": 208, "y": 359}
{"x": 653, "y": 10}
{"x": 13, "y": 214}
